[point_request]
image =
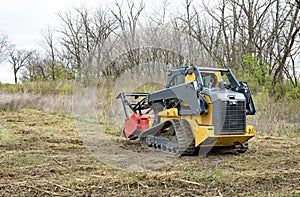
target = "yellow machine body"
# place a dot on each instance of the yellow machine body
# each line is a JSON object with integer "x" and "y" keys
{"x": 202, "y": 125}
{"x": 200, "y": 107}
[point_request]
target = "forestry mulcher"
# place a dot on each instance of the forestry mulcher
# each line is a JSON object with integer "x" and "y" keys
{"x": 200, "y": 108}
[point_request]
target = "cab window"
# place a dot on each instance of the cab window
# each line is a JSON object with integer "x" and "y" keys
{"x": 209, "y": 80}
{"x": 178, "y": 79}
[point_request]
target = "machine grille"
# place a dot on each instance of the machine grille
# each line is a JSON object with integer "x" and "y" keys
{"x": 232, "y": 117}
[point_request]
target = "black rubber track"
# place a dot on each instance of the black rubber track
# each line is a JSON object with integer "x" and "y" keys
{"x": 182, "y": 142}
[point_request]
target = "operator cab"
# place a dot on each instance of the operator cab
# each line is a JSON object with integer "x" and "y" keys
{"x": 206, "y": 77}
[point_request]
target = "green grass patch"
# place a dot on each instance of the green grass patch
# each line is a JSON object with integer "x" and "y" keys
{"x": 112, "y": 129}
{"x": 7, "y": 136}
{"x": 59, "y": 87}
{"x": 271, "y": 153}
{"x": 16, "y": 159}
{"x": 76, "y": 146}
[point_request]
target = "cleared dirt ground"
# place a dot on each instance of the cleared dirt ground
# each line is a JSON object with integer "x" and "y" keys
{"x": 41, "y": 154}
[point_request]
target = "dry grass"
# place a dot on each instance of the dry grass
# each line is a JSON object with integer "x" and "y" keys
{"x": 50, "y": 103}
{"x": 277, "y": 118}
{"x": 272, "y": 118}
{"x": 42, "y": 154}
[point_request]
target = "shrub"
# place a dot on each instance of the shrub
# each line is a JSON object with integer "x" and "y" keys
{"x": 65, "y": 88}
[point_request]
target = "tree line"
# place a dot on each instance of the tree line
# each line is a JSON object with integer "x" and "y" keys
{"x": 258, "y": 38}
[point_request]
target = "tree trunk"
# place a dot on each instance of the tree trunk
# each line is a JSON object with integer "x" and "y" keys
{"x": 15, "y": 75}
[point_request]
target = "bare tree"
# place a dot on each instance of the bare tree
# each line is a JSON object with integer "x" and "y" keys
{"x": 67, "y": 62}
{"x": 98, "y": 28}
{"x": 36, "y": 68}
{"x": 230, "y": 29}
{"x": 18, "y": 60}
{"x": 3, "y": 46}
{"x": 286, "y": 40}
{"x": 83, "y": 34}
{"x": 128, "y": 23}
{"x": 267, "y": 30}
{"x": 51, "y": 51}
{"x": 71, "y": 37}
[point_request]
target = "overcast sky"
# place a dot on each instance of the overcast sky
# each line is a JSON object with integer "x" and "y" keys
{"x": 24, "y": 20}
